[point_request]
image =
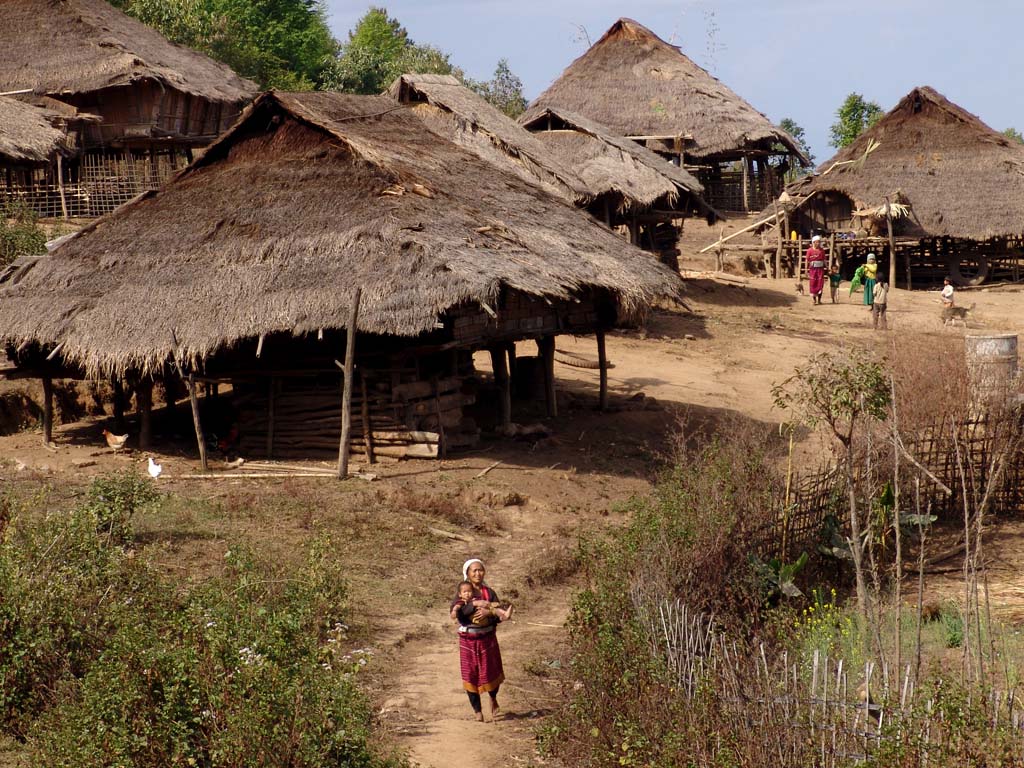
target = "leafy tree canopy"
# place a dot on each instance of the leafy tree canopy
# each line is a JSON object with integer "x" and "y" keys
{"x": 854, "y": 116}
{"x": 377, "y": 51}
{"x": 504, "y": 90}
{"x": 1014, "y": 135}
{"x": 278, "y": 43}
{"x": 789, "y": 125}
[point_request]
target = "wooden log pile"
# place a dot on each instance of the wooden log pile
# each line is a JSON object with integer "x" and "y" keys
{"x": 301, "y": 416}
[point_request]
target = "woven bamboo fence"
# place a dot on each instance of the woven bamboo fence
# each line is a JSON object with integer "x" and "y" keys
{"x": 961, "y": 456}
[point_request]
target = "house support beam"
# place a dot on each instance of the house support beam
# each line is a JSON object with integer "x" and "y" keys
{"x": 346, "y": 390}
{"x": 546, "y": 351}
{"x": 602, "y": 364}
{"x": 499, "y": 364}
{"x": 47, "y": 410}
{"x": 144, "y": 407}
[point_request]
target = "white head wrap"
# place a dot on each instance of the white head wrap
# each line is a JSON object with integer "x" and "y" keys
{"x": 871, "y": 257}
{"x": 465, "y": 566}
{"x": 816, "y": 238}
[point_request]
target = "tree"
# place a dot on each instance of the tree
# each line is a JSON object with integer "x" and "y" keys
{"x": 278, "y": 43}
{"x": 789, "y": 125}
{"x": 377, "y": 51}
{"x": 1014, "y": 135}
{"x": 504, "y": 90}
{"x": 854, "y": 116}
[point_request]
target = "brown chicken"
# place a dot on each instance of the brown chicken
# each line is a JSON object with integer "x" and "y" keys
{"x": 116, "y": 442}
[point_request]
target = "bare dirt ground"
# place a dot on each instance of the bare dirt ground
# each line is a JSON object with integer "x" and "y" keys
{"x": 522, "y": 517}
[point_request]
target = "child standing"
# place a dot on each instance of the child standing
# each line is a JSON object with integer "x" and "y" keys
{"x": 834, "y": 280}
{"x": 878, "y": 307}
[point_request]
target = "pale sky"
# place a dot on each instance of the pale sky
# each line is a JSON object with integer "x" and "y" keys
{"x": 788, "y": 58}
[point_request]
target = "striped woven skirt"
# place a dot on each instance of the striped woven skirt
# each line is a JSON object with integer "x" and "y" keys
{"x": 480, "y": 660}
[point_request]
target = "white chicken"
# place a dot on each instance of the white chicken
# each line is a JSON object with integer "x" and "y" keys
{"x": 154, "y": 469}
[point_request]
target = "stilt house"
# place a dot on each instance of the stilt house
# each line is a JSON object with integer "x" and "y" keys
{"x": 640, "y": 87}
{"x": 319, "y": 221}
{"x": 632, "y": 187}
{"x": 624, "y": 182}
{"x": 953, "y": 188}
{"x": 157, "y": 101}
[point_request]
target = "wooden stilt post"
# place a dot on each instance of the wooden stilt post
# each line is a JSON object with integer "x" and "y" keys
{"x": 346, "y": 392}
{"x": 778, "y": 249}
{"x": 546, "y": 347}
{"x": 119, "y": 424}
{"x": 60, "y": 186}
{"x": 746, "y": 184}
{"x": 892, "y": 245}
{"x": 510, "y": 348}
{"x": 499, "y": 364}
{"x": 47, "y": 410}
{"x": 271, "y": 407}
{"x": 367, "y": 426}
{"x": 200, "y": 437}
{"x": 144, "y": 407}
{"x": 602, "y": 361}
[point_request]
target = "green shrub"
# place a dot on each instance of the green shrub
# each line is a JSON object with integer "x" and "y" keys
{"x": 103, "y": 661}
{"x": 115, "y": 498}
{"x": 20, "y": 233}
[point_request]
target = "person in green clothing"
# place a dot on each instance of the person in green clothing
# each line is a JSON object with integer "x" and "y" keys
{"x": 834, "y": 279}
{"x": 870, "y": 275}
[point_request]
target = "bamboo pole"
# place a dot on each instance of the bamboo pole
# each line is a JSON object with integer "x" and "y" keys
{"x": 60, "y": 185}
{"x": 892, "y": 244}
{"x": 47, "y": 410}
{"x": 602, "y": 362}
{"x": 346, "y": 396}
{"x": 778, "y": 249}
{"x": 367, "y": 428}
{"x": 200, "y": 438}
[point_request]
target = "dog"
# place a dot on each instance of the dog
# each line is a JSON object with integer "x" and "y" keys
{"x": 800, "y": 288}
{"x": 951, "y": 314}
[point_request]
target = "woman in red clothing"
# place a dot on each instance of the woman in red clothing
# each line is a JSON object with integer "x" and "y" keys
{"x": 816, "y": 264}
{"x": 479, "y": 654}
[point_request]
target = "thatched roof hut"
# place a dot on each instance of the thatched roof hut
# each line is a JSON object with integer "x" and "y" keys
{"x": 465, "y": 118}
{"x": 96, "y": 58}
{"x": 307, "y": 197}
{"x": 68, "y": 47}
{"x": 958, "y": 177}
{"x": 27, "y": 136}
{"x": 638, "y": 85}
{"x": 636, "y": 178}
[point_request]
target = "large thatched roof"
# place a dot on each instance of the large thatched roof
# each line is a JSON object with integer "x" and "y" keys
{"x": 307, "y": 197}
{"x": 610, "y": 165}
{"x": 959, "y": 177}
{"x": 636, "y": 84}
{"x": 459, "y": 114}
{"x": 26, "y": 135}
{"x": 78, "y": 46}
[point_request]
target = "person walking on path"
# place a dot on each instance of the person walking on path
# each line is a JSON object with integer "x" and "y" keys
{"x": 879, "y": 305}
{"x": 479, "y": 654}
{"x": 816, "y": 269}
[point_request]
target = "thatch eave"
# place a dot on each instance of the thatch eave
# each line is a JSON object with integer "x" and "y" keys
{"x": 307, "y": 197}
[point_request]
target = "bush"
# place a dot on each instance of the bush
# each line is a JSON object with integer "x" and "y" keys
{"x": 114, "y": 500}
{"x": 20, "y": 233}
{"x": 690, "y": 539}
{"x": 103, "y": 661}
